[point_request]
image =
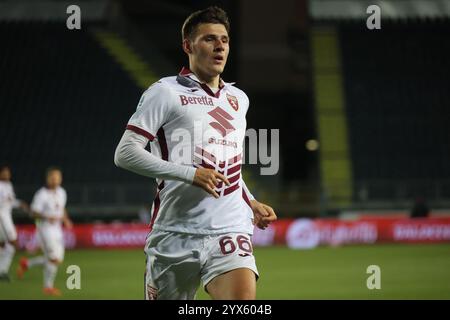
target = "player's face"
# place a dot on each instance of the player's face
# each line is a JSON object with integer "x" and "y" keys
{"x": 209, "y": 49}
{"x": 5, "y": 174}
{"x": 54, "y": 179}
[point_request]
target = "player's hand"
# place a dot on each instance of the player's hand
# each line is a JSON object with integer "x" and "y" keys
{"x": 68, "y": 224}
{"x": 263, "y": 214}
{"x": 24, "y": 206}
{"x": 208, "y": 179}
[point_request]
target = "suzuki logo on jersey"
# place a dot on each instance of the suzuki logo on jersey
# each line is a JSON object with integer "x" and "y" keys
{"x": 223, "y": 126}
{"x": 196, "y": 100}
{"x": 233, "y": 102}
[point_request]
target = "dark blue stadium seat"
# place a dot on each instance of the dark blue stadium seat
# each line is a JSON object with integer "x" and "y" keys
{"x": 397, "y": 92}
{"x": 64, "y": 101}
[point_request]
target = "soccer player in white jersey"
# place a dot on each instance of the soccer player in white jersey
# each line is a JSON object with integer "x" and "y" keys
{"x": 8, "y": 234}
{"x": 203, "y": 214}
{"x": 49, "y": 210}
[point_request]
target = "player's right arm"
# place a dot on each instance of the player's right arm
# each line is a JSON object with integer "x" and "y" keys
{"x": 40, "y": 216}
{"x": 208, "y": 179}
{"x": 37, "y": 215}
{"x": 131, "y": 155}
{"x": 154, "y": 109}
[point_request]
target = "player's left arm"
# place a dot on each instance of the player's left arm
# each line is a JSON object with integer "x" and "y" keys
{"x": 263, "y": 214}
{"x": 66, "y": 220}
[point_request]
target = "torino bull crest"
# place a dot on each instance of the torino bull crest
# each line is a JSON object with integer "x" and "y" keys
{"x": 233, "y": 102}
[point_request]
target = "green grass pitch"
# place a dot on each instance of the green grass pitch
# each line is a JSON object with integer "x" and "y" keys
{"x": 407, "y": 272}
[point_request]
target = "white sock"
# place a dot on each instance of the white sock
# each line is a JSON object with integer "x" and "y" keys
{"x": 50, "y": 270}
{"x": 6, "y": 256}
{"x": 36, "y": 261}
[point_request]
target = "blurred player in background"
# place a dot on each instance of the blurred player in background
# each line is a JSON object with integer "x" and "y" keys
{"x": 203, "y": 213}
{"x": 49, "y": 210}
{"x": 8, "y": 234}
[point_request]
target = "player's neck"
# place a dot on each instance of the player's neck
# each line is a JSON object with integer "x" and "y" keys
{"x": 212, "y": 82}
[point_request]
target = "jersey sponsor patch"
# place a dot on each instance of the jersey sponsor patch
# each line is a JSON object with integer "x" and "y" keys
{"x": 203, "y": 100}
{"x": 222, "y": 124}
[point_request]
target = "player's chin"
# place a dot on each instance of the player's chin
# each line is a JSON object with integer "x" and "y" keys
{"x": 217, "y": 69}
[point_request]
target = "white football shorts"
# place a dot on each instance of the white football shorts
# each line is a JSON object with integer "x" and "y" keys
{"x": 178, "y": 262}
{"x": 51, "y": 240}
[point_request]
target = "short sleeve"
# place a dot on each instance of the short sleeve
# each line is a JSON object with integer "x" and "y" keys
{"x": 37, "y": 205}
{"x": 152, "y": 111}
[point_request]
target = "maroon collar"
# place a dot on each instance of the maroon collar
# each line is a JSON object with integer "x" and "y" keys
{"x": 186, "y": 72}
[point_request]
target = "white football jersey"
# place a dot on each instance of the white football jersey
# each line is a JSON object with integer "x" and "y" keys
{"x": 188, "y": 124}
{"x": 7, "y": 197}
{"x": 50, "y": 203}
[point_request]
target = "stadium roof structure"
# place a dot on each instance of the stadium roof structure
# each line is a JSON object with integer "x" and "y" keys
{"x": 390, "y": 9}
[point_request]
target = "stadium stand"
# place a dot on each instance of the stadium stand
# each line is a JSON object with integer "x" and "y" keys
{"x": 75, "y": 89}
{"x": 83, "y": 107}
{"x": 397, "y": 98}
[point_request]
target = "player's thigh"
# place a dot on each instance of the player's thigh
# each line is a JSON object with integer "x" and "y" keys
{"x": 237, "y": 284}
{"x": 230, "y": 271}
{"x": 172, "y": 266}
{"x": 7, "y": 229}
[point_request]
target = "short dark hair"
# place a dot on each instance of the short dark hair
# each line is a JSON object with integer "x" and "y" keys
{"x": 4, "y": 166}
{"x": 51, "y": 169}
{"x": 209, "y": 15}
